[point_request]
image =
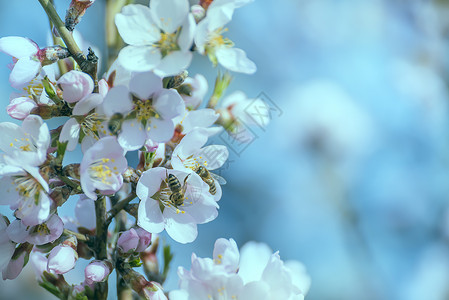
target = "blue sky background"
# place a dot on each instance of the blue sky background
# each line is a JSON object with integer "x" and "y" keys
{"x": 351, "y": 175}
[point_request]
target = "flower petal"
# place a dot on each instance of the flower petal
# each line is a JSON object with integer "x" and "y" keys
{"x": 18, "y": 47}
{"x": 149, "y": 216}
{"x": 169, "y": 104}
{"x": 117, "y": 100}
{"x": 169, "y": 14}
{"x": 256, "y": 290}
{"x": 25, "y": 70}
{"x": 212, "y": 156}
{"x": 180, "y": 227}
{"x": 139, "y": 58}
{"x": 132, "y": 135}
{"x": 160, "y": 130}
{"x": 253, "y": 259}
{"x": 144, "y": 85}
{"x": 185, "y": 38}
{"x": 87, "y": 104}
{"x": 9, "y": 193}
{"x": 150, "y": 182}
{"x": 174, "y": 63}
{"x": 70, "y": 133}
{"x": 235, "y": 59}
{"x": 135, "y": 25}
{"x": 199, "y": 118}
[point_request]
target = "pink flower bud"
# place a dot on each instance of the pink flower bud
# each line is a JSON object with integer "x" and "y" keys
{"x": 144, "y": 239}
{"x": 97, "y": 271}
{"x": 20, "y": 108}
{"x": 128, "y": 241}
{"x": 198, "y": 12}
{"x": 75, "y": 86}
{"x": 61, "y": 259}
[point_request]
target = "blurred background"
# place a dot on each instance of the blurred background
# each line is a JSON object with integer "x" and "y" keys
{"x": 351, "y": 176}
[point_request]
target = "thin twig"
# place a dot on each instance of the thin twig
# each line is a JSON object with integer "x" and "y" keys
{"x": 119, "y": 206}
{"x": 79, "y": 236}
{"x": 69, "y": 182}
{"x": 86, "y": 65}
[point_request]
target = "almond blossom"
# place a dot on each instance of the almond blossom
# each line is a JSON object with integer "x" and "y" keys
{"x": 159, "y": 36}
{"x": 147, "y": 109}
{"x": 254, "y": 275}
{"x": 102, "y": 167}
{"x": 209, "y": 39}
{"x": 23, "y": 186}
{"x": 157, "y": 211}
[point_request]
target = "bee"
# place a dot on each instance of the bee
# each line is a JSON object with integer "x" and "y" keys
{"x": 177, "y": 190}
{"x": 115, "y": 123}
{"x": 209, "y": 177}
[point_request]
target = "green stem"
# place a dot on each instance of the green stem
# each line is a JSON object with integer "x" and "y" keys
{"x": 101, "y": 244}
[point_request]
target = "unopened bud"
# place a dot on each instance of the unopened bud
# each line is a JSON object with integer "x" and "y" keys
{"x": 75, "y": 86}
{"x": 76, "y": 10}
{"x": 128, "y": 241}
{"x": 62, "y": 259}
{"x": 97, "y": 271}
{"x": 198, "y": 12}
{"x": 52, "y": 54}
{"x": 21, "y": 107}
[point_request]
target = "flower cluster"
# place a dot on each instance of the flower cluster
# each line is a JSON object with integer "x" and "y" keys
{"x": 255, "y": 273}
{"x": 146, "y": 109}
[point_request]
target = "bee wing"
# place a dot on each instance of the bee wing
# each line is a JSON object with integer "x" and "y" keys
{"x": 218, "y": 178}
